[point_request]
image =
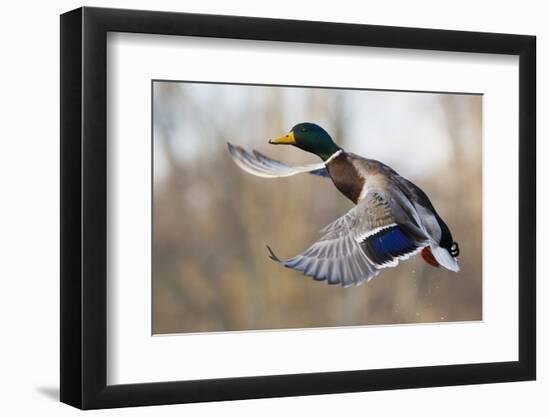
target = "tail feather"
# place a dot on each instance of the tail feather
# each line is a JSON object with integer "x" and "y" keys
{"x": 445, "y": 259}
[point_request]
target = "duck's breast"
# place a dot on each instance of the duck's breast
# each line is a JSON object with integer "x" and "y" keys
{"x": 346, "y": 177}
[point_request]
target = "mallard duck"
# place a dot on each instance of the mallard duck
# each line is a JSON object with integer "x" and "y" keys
{"x": 392, "y": 220}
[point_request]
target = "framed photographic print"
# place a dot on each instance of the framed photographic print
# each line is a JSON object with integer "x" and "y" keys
{"x": 259, "y": 207}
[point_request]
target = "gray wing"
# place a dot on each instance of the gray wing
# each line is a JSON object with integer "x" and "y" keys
{"x": 257, "y": 164}
{"x": 351, "y": 249}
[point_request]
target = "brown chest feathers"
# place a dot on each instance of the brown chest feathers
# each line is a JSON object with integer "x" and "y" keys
{"x": 345, "y": 177}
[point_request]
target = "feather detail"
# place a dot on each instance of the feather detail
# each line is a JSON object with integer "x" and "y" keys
{"x": 444, "y": 258}
{"x": 259, "y": 165}
{"x": 428, "y": 256}
{"x": 389, "y": 245}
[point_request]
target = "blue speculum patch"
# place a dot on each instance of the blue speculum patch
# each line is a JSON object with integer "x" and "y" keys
{"x": 391, "y": 242}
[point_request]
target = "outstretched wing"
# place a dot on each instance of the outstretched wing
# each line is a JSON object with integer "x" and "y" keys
{"x": 257, "y": 164}
{"x": 375, "y": 234}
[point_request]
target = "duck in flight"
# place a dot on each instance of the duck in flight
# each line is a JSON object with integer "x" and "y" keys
{"x": 392, "y": 220}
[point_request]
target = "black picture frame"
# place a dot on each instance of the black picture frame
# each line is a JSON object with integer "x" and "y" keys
{"x": 84, "y": 207}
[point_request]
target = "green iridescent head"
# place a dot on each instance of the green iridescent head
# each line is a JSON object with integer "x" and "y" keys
{"x": 310, "y": 138}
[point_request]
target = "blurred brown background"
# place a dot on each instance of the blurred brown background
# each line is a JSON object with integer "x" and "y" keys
{"x": 212, "y": 221}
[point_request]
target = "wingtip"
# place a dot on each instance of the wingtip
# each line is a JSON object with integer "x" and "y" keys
{"x": 272, "y": 255}
{"x": 234, "y": 151}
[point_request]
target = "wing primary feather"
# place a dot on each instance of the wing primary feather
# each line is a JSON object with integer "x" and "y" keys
{"x": 376, "y": 234}
{"x": 272, "y": 255}
{"x": 258, "y": 164}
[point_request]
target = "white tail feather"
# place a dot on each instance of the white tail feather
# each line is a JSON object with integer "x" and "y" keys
{"x": 445, "y": 259}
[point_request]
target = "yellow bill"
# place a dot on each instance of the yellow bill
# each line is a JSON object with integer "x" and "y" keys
{"x": 284, "y": 140}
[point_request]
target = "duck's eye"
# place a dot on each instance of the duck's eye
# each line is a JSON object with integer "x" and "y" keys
{"x": 303, "y": 129}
